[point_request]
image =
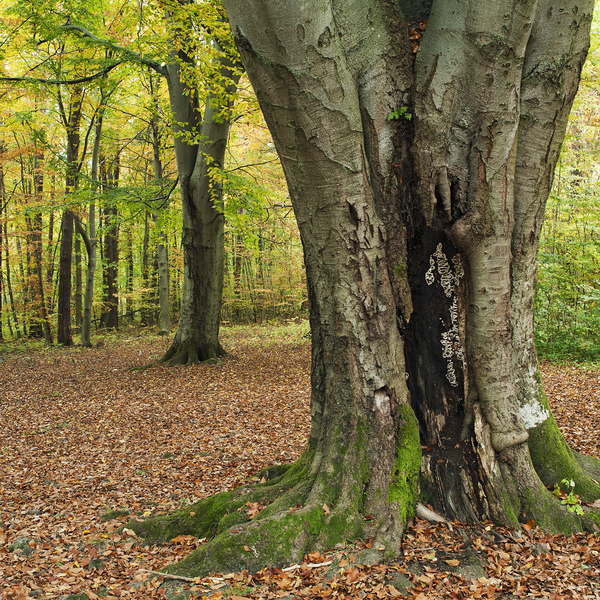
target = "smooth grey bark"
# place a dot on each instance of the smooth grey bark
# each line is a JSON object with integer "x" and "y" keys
{"x": 197, "y": 336}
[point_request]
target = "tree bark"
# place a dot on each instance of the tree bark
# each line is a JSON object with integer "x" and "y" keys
{"x": 71, "y": 121}
{"x": 197, "y": 337}
{"x": 109, "y": 319}
{"x": 418, "y": 186}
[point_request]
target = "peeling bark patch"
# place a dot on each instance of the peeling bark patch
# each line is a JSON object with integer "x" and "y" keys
{"x": 533, "y": 414}
{"x": 450, "y": 277}
{"x": 382, "y": 403}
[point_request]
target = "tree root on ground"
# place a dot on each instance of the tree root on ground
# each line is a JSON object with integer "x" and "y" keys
{"x": 269, "y": 524}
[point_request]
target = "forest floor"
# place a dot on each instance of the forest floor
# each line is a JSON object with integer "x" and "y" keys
{"x": 85, "y": 444}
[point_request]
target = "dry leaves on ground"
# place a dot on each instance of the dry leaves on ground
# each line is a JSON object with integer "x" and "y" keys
{"x": 85, "y": 444}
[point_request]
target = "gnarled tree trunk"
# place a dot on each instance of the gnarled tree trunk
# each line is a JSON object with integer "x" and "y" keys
{"x": 419, "y": 187}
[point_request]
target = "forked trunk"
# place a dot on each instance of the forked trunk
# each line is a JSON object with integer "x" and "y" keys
{"x": 197, "y": 337}
{"x": 418, "y": 188}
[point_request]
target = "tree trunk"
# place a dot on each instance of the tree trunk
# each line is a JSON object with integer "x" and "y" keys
{"x": 418, "y": 186}
{"x": 162, "y": 249}
{"x": 110, "y": 312}
{"x": 63, "y": 331}
{"x": 109, "y": 319}
{"x": 197, "y": 337}
{"x": 71, "y": 121}
{"x": 78, "y": 283}
{"x": 3, "y": 203}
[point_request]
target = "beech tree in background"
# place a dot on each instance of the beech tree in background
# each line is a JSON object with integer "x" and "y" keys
{"x": 200, "y": 143}
{"x": 419, "y": 184}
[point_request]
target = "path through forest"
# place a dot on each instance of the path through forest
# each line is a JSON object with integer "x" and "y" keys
{"x": 85, "y": 444}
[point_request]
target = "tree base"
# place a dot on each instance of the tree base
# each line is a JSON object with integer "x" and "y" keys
{"x": 190, "y": 352}
{"x": 272, "y": 523}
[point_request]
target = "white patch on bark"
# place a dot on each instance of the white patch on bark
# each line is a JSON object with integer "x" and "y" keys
{"x": 533, "y": 414}
{"x": 382, "y": 403}
{"x": 450, "y": 277}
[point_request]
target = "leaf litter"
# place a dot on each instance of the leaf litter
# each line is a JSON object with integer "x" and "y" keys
{"x": 86, "y": 444}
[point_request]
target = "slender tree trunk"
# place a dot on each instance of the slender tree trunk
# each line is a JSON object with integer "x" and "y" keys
{"x": 129, "y": 305}
{"x": 50, "y": 248}
{"x": 3, "y": 203}
{"x": 109, "y": 318}
{"x": 89, "y": 237}
{"x": 147, "y": 292}
{"x": 110, "y": 314}
{"x": 63, "y": 334}
{"x": 71, "y": 121}
{"x": 78, "y": 284}
{"x": 162, "y": 255}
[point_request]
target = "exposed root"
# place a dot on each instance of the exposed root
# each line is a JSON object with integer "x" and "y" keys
{"x": 297, "y": 515}
{"x": 190, "y": 352}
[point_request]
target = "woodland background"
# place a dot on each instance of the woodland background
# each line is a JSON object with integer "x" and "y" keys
{"x": 124, "y": 115}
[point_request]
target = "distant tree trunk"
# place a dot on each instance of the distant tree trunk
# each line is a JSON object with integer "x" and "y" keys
{"x": 38, "y": 294}
{"x": 50, "y": 248}
{"x": 71, "y": 122}
{"x": 89, "y": 237}
{"x": 148, "y": 296}
{"x": 78, "y": 283}
{"x": 109, "y": 318}
{"x": 129, "y": 265}
{"x": 162, "y": 249}
{"x": 63, "y": 334}
{"x": 197, "y": 336}
{"x": 2, "y": 207}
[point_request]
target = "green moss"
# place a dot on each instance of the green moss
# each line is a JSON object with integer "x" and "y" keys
{"x": 403, "y": 490}
{"x": 236, "y": 517}
{"x": 554, "y": 461}
{"x": 400, "y": 270}
{"x": 548, "y": 513}
{"x": 201, "y": 519}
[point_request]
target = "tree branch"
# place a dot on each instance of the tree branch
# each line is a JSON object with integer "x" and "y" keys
{"x": 128, "y": 55}
{"x": 43, "y": 80}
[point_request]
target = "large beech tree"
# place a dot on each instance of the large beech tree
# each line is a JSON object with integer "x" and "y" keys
{"x": 419, "y": 182}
